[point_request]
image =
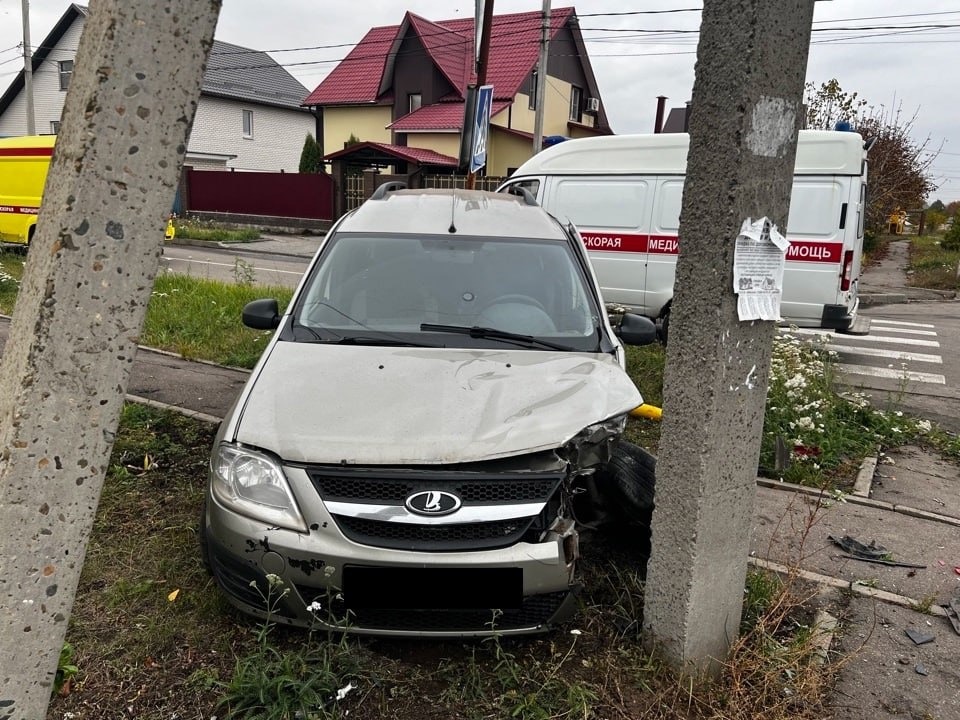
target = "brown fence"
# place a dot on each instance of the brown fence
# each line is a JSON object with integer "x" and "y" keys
{"x": 444, "y": 182}
{"x": 288, "y": 195}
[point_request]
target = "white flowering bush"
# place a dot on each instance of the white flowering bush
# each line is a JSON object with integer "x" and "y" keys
{"x": 826, "y": 432}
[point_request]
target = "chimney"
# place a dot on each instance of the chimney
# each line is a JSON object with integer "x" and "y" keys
{"x": 661, "y": 104}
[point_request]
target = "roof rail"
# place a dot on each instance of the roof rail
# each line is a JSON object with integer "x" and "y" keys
{"x": 527, "y": 196}
{"x": 388, "y": 187}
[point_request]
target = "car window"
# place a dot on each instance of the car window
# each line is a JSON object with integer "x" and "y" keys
{"x": 395, "y": 284}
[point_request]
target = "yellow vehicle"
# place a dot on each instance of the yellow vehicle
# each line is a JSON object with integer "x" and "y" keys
{"x": 24, "y": 162}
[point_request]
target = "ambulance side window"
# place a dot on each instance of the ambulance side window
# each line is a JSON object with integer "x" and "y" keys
{"x": 532, "y": 185}
{"x": 601, "y": 203}
{"x": 814, "y": 208}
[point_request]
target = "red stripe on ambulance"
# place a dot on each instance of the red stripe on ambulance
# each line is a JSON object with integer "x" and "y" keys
{"x": 811, "y": 251}
{"x": 18, "y": 210}
{"x": 26, "y": 152}
{"x": 615, "y": 242}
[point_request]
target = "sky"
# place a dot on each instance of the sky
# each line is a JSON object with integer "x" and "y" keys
{"x": 900, "y": 57}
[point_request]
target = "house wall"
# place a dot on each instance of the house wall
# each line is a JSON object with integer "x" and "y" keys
{"x": 368, "y": 123}
{"x": 277, "y": 141}
{"x": 445, "y": 143}
{"x": 555, "y": 113}
{"x": 48, "y": 98}
{"x": 507, "y": 151}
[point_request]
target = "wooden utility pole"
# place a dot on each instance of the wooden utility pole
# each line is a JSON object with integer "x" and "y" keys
{"x": 542, "y": 79}
{"x": 483, "y": 58}
{"x": 82, "y": 301}
{"x": 28, "y": 68}
{"x": 746, "y": 113}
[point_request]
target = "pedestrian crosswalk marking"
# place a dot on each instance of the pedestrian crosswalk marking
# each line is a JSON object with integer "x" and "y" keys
{"x": 893, "y": 373}
{"x": 879, "y": 321}
{"x": 893, "y": 354}
{"x": 865, "y": 338}
{"x": 905, "y": 331}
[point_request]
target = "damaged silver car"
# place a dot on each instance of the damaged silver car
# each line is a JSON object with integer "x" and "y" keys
{"x": 409, "y": 452}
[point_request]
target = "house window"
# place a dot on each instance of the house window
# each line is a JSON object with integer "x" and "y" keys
{"x": 576, "y": 97}
{"x": 66, "y": 70}
{"x": 414, "y": 101}
{"x": 532, "y": 105}
{"x": 248, "y": 123}
{"x": 54, "y": 127}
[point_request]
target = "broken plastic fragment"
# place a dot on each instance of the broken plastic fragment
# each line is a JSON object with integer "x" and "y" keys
{"x": 342, "y": 692}
{"x": 919, "y": 637}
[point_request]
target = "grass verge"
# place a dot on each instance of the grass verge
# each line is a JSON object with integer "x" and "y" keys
{"x": 11, "y": 271}
{"x": 194, "y": 229}
{"x": 932, "y": 266}
{"x": 200, "y": 319}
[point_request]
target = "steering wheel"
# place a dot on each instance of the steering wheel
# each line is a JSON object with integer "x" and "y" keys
{"x": 517, "y": 313}
{"x": 514, "y": 298}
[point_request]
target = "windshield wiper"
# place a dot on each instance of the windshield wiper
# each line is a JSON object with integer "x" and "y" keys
{"x": 384, "y": 341}
{"x": 494, "y": 334}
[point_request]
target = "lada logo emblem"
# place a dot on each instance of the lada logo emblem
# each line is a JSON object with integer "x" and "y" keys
{"x": 433, "y": 502}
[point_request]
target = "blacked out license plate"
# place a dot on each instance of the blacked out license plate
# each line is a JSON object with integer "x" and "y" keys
{"x": 432, "y": 588}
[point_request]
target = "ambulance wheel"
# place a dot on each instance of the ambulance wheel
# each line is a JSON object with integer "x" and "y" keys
{"x": 663, "y": 325}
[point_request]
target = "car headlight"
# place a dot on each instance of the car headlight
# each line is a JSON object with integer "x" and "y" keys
{"x": 253, "y": 484}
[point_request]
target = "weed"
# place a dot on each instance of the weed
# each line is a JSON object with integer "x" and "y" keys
{"x": 66, "y": 670}
{"x": 535, "y": 690}
{"x": 285, "y": 683}
{"x": 760, "y": 590}
{"x": 243, "y": 272}
{"x": 924, "y": 604}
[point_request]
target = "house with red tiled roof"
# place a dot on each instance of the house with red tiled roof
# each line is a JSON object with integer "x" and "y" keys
{"x": 401, "y": 91}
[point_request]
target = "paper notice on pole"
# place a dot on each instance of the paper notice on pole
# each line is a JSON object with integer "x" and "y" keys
{"x": 758, "y": 261}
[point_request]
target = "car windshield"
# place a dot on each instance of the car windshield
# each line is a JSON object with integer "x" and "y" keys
{"x": 427, "y": 290}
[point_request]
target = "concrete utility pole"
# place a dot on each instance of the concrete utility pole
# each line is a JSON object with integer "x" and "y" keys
{"x": 746, "y": 112}
{"x": 483, "y": 60}
{"x": 542, "y": 79}
{"x": 84, "y": 294}
{"x": 28, "y": 68}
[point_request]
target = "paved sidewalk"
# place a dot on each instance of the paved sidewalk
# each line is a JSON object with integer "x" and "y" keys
{"x": 885, "y": 282}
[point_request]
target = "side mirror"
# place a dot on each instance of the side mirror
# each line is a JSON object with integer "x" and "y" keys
{"x": 262, "y": 314}
{"x": 636, "y": 330}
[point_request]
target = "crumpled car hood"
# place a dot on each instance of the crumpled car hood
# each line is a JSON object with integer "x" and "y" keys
{"x": 402, "y": 406}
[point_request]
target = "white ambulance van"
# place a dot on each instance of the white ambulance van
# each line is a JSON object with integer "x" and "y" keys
{"x": 623, "y": 192}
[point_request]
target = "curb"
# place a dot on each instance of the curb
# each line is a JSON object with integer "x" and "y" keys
{"x": 241, "y": 246}
{"x": 904, "y": 294}
{"x": 846, "y": 585}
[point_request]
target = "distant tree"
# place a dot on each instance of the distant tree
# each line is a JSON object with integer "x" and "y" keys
{"x": 934, "y": 220}
{"x": 937, "y": 205}
{"x": 898, "y": 176}
{"x": 951, "y": 208}
{"x": 829, "y": 105}
{"x": 310, "y": 159}
{"x": 951, "y": 239}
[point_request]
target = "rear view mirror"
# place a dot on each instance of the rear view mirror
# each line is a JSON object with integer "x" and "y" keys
{"x": 262, "y": 314}
{"x": 636, "y": 330}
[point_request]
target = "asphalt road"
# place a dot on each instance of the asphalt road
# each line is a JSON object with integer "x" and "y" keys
{"x": 228, "y": 265}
